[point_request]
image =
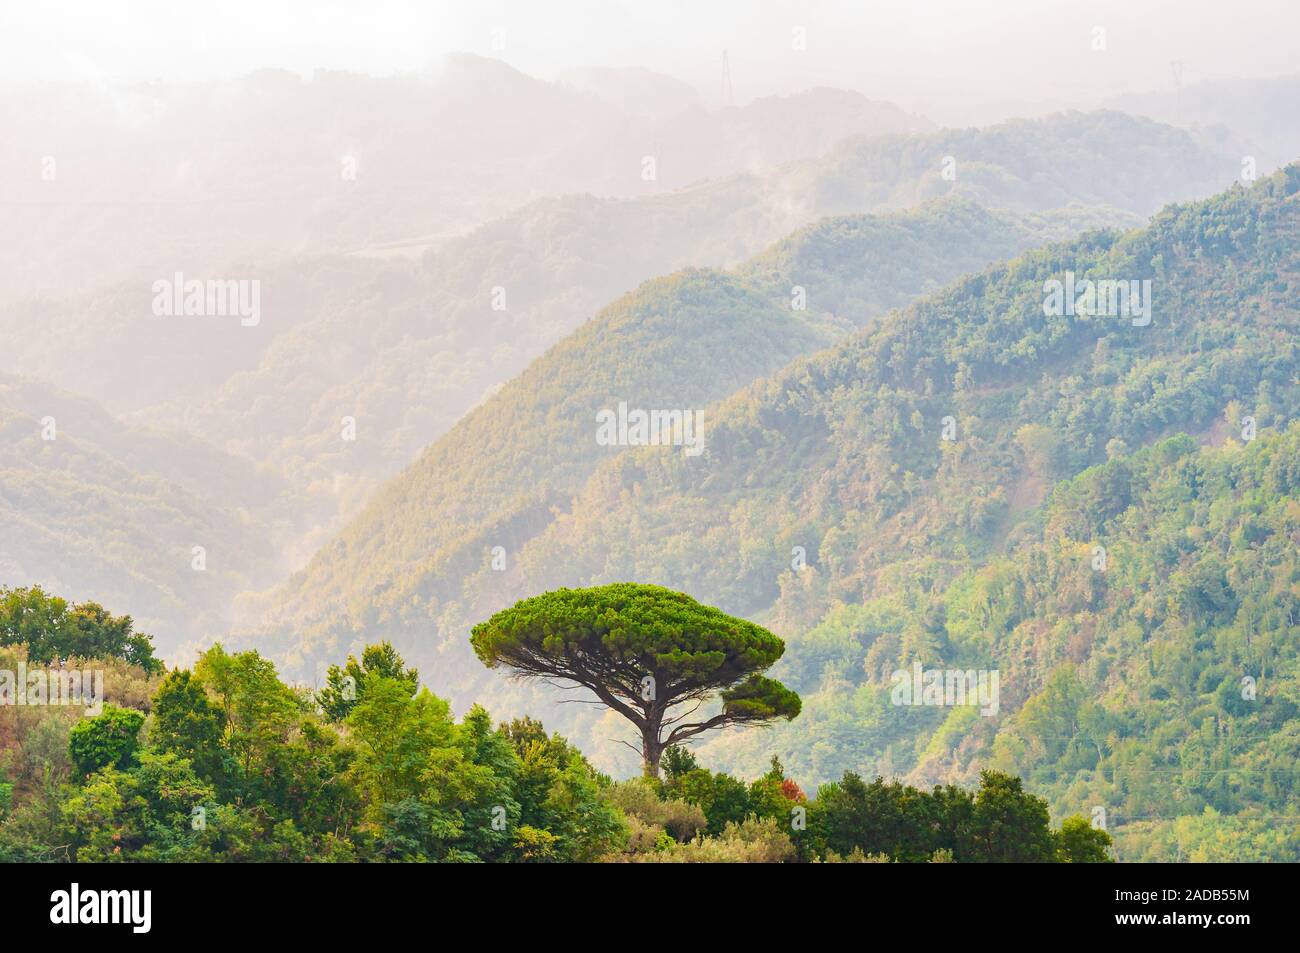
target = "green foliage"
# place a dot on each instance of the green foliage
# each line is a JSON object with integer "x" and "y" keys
{"x": 724, "y": 799}
{"x": 997, "y": 823}
{"x": 760, "y": 699}
{"x": 344, "y": 687}
{"x": 108, "y": 740}
{"x": 649, "y": 629}
{"x": 752, "y": 841}
{"x": 188, "y": 724}
{"x": 1078, "y": 842}
{"x": 55, "y": 631}
{"x": 638, "y": 798}
{"x": 236, "y": 767}
{"x": 1009, "y": 825}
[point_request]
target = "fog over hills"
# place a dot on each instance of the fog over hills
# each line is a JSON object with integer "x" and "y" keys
{"x": 1262, "y": 115}
{"x": 108, "y": 181}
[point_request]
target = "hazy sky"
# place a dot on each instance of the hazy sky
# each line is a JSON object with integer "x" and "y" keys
{"x": 934, "y": 56}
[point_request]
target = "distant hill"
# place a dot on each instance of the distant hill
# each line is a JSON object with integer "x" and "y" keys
{"x": 114, "y": 511}
{"x": 408, "y": 347}
{"x": 634, "y": 90}
{"x": 1097, "y": 158}
{"x": 403, "y": 349}
{"x": 1258, "y": 117}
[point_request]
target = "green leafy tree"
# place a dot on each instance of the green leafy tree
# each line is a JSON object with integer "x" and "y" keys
{"x": 54, "y": 630}
{"x": 345, "y": 686}
{"x": 107, "y": 740}
{"x": 259, "y": 715}
{"x": 186, "y": 722}
{"x": 143, "y": 814}
{"x": 774, "y": 794}
{"x": 677, "y": 761}
{"x": 651, "y": 654}
{"x": 1009, "y": 824}
{"x": 1078, "y": 842}
{"x": 397, "y": 735}
{"x": 724, "y": 799}
{"x": 586, "y": 824}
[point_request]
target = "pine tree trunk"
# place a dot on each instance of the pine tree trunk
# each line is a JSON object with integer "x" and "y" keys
{"x": 651, "y": 751}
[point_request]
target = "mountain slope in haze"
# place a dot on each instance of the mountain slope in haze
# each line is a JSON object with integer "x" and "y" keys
{"x": 494, "y": 479}
{"x": 855, "y": 268}
{"x": 774, "y": 130}
{"x": 409, "y": 347}
{"x": 1260, "y": 116}
{"x": 91, "y": 505}
{"x": 635, "y": 90}
{"x": 1067, "y": 158}
{"x": 401, "y": 349}
{"x": 430, "y": 346}
{"x": 174, "y": 456}
{"x": 502, "y": 469}
{"x": 1110, "y": 157}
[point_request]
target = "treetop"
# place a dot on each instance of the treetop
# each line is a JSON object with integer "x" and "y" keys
{"x": 635, "y": 627}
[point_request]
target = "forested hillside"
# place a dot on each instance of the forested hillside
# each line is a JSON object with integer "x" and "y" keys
{"x": 357, "y": 363}
{"x": 844, "y": 455}
{"x": 678, "y": 342}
